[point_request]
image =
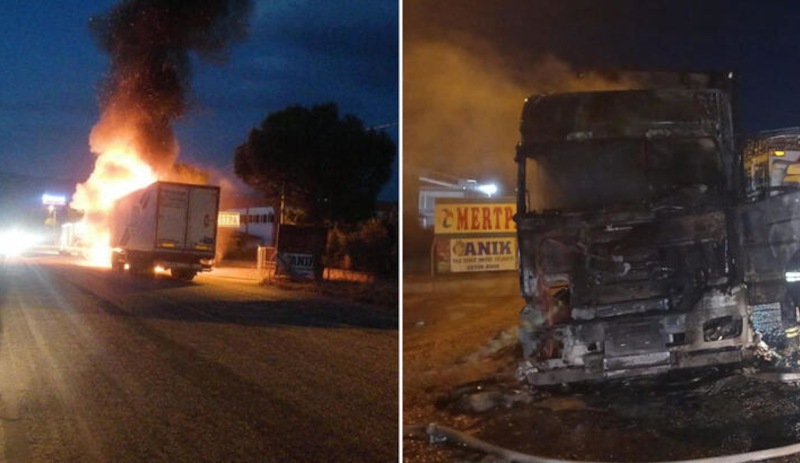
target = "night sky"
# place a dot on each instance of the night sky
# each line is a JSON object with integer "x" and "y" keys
{"x": 461, "y": 116}
{"x": 297, "y": 52}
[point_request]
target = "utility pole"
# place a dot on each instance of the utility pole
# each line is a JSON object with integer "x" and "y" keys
{"x": 281, "y": 207}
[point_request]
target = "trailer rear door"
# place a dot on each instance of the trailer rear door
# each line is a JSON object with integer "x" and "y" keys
{"x": 173, "y": 204}
{"x": 202, "y": 221}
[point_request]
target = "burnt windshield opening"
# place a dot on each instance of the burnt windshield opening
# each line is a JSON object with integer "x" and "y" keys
{"x": 576, "y": 175}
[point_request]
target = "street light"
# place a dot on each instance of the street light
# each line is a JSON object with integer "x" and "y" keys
{"x": 488, "y": 189}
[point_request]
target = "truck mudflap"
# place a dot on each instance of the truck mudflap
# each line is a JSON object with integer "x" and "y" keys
{"x": 717, "y": 331}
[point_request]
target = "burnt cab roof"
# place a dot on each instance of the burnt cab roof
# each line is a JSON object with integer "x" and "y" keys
{"x": 631, "y": 114}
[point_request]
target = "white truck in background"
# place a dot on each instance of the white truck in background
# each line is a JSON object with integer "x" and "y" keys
{"x": 70, "y": 239}
{"x": 168, "y": 225}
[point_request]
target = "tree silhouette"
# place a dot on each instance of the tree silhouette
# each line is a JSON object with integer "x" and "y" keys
{"x": 330, "y": 167}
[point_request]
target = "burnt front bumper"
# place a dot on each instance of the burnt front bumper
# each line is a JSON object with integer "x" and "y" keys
{"x": 716, "y": 331}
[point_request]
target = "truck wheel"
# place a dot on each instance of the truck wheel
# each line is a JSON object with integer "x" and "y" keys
{"x": 117, "y": 264}
{"x": 143, "y": 269}
{"x": 182, "y": 274}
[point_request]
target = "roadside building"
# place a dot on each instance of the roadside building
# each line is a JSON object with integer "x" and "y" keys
{"x": 257, "y": 221}
{"x": 435, "y": 186}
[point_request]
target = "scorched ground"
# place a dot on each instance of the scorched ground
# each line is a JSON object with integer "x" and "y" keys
{"x": 460, "y": 353}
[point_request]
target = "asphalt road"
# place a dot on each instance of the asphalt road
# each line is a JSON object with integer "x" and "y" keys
{"x": 96, "y": 366}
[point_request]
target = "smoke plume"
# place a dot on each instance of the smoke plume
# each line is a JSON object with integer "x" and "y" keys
{"x": 462, "y": 105}
{"x": 149, "y": 43}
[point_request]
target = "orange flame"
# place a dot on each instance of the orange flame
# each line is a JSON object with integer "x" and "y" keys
{"x": 118, "y": 171}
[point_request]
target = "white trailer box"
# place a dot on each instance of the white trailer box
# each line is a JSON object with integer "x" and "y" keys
{"x": 168, "y": 225}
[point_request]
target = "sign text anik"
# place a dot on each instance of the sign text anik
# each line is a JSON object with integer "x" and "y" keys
{"x": 487, "y": 248}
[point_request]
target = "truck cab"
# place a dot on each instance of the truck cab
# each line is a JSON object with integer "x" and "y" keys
{"x": 628, "y": 235}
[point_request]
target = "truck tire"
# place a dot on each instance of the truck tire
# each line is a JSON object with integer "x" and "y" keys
{"x": 182, "y": 274}
{"x": 140, "y": 267}
{"x": 117, "y": 264}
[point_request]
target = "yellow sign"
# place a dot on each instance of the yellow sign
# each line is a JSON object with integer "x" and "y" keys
{"x": 474, "y": 218}
{"x": 483, "y": 254}
{"x": 227, "y": 219}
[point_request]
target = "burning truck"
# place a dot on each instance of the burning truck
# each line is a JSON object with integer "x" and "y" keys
{"x": 139, "y": 200}
{"x": 167, "y": 225}
{"x": 645, "y": 244}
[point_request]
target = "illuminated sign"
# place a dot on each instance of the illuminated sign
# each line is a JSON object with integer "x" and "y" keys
{"x": 483, "y": 254}
{"x": 474, "y": 218}
{"x": 227, "y": 219}
{"x": 53, "y": 200}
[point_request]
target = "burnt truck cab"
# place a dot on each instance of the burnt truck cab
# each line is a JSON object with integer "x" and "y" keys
{"x": 628, "y": 229}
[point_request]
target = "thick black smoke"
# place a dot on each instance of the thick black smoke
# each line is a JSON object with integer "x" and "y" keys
{"x": 149, "y": 43}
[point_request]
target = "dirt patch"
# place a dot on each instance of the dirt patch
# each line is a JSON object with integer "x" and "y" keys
{"x": 453, "y": 342}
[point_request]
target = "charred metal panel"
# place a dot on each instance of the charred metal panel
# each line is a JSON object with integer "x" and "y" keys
{"x": 770, "y": 236}
{"x": 768, "y": 319}
{"x": 636, "y": 114}
{"x": 629, "y": 362}
{"x": 712, "y": 333}
{"x": 663, "y": 130}
{"x": 639, "y": 337}
{"x": 770, "y": 247}
{"x": 621, "y": 308}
